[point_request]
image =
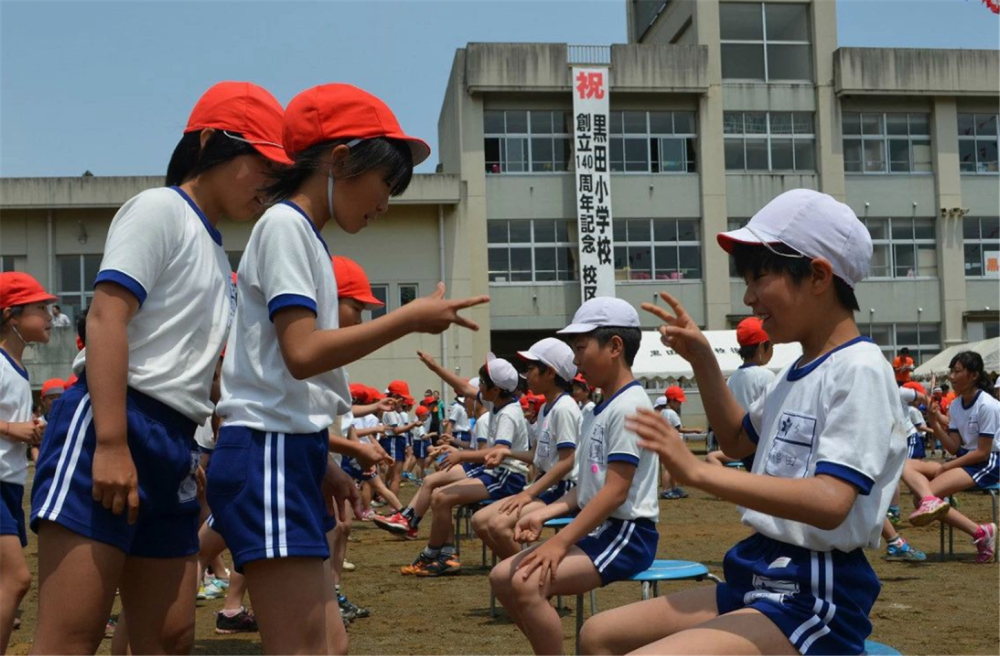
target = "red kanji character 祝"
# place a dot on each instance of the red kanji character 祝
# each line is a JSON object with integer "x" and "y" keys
{"x": 590, "y": 85}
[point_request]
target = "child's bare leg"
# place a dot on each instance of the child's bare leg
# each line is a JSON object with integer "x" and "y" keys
{"x": 626, "y": 628}
{"x": 237, "y": 590}
{"x": 444, "y": 499}
{"x": 502, "y": 530}
{"x": 379, "y": 486}
{"x": 950, "y": 482}
{"x": 537, "y": 618}
{"x": 16, "y": 582}
{"x": 422, "y": 499}
{"x": 745, "y": 631}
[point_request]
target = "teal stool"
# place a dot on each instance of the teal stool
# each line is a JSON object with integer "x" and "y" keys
{"x": 873, "y": 648}
{"x": 671, "y": 570}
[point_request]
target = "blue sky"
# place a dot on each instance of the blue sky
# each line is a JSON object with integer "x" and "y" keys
{"x": 107, "y": 86}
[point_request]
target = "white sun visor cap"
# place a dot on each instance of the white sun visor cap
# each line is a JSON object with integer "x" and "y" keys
{"x": 602, "y": 312}
{"x": 502, "y": 373}
{"x": 553, "y": 353}
{"x": 660, "y": 402}
{"x": 814, "y": 224}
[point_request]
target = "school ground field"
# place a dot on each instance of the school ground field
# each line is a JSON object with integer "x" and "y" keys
{"x": 927, "y": 608}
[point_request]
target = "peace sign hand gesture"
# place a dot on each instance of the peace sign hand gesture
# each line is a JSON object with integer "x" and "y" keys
{"x": 679, "y": 331}
{"x": 434, "y": 313}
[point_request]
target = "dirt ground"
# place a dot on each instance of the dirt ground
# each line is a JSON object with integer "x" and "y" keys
{"x": 926, "y": 608}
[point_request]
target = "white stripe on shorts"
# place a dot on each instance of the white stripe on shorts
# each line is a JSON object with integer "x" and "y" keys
{"x": 610, "y": 547}
{"x": 282, "y": 529}
{"x": 268, "y": 537}
{"x": 611, "y": 558}
{"x": 71, "y": 449}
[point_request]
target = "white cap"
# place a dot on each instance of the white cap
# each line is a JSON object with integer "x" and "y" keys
{"x": 553, "y": 353}
{"x": 660, "y": 401}
{"x": 601, "y": 312}
{"x": 474, "y": 381}
{"x": 502, "y": 373}
{"x": 814, "y": 224}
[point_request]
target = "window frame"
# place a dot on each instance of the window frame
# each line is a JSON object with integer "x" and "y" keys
{"x": 532, "y": 245}
{"x": 892, "y": 243}
{"x": 82, "y": 298}
{"x": 920, "y": 352}
{"x": 8, "y": 263}
{"x": 653, "y": 244}
{"x": 980, "y": 241}
{"x": 690, "y": 165}
{"x": 399, "y": 292}
{"x": 886, "y": 139}
{"x": 768, "y": 137}
{"x": 528, "y": 137}
{"x": 382, "y": 311}
{"x": 974, "y": 138}
{"x": 764, "y": 42}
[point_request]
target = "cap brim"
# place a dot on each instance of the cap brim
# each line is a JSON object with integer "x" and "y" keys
{"x": 528, "y": 355}
{"x": 41, "y": 297}
{"x": 273, "y": 153}
{"x": 577, "y": 329}
{"x": 418, "y": 148}
{"x": 742, "y": 236}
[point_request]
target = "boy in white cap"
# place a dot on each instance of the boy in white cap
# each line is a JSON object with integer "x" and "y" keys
{"x": 831, "y": 442}
{"x": 614, "y": 535}
{"x": 549, "y": 372}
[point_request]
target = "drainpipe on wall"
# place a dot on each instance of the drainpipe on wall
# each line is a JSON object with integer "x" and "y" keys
{"x": 444, "y": 334}
{"x": 51, "y": 254}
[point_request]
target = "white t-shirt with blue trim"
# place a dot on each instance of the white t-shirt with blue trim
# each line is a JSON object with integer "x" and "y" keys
{"x": 481, "y": 431}
{"x": 507, "y": 427}
{"x": 748, "y": 383}
{"x": 840, "y": 416}
{"x": 459, "y": 418}
{"x": 163, "y": 250}
{"x": 558, "y": 428}
{"x": 980, "y": 419}
{"x": 391, "y": 420}
{"x": 605, "y": 440}
{"x": 15, "y": 407}
{"x": 286, "y": 264}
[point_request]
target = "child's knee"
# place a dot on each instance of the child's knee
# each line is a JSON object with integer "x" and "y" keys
{"x": 18, "y": 579}
{"x": 500, "y": 577}
{"x": 499, "y": 524}
{"x": 593, "y": 637}
{"x": 525, "y": 592}
{"x": 480, "y": 522}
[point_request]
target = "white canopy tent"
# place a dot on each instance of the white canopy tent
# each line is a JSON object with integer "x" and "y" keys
{"x": 938, "y": 365}
{"x": 658, "y": 362}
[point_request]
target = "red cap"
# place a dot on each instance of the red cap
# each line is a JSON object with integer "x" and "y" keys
{"x": 359, "y": 393}
{"x": 422, "y": 411}
{"x": 399, "y": 388}
{"x": 915, "y": 386}
{"x": 429, "y": 400}
{"x": 53, "y": 386}
{"x": 525, "y": 402}
{"x": 71, "y": 380}
{"x": 750, "y": 332}
{"x": 538, "y": 400}
{"x": 352, "y": 282}
{"x": 18, "y": 288}
{"x": 580, "y": 379}
{"x": 675, "y": 393}
{"x": 245, "y": 108}
{"x": 79, "y": 343}
{"x": 408, "y": 400}
{"x": 374, "y": 395}
{"x": 341, "y": 111}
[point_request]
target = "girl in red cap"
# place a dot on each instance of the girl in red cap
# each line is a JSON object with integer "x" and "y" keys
{"x": 283, "y": 382}
{"x": 24, "y": 318}
{"x": 114, "y": 495}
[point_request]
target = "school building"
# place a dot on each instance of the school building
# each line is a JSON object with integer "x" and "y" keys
{"x": 715, "y": 108}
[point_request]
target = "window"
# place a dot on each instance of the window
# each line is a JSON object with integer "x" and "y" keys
{"x": 381, "y": 292}
{"x": 407, "y": 293}
{"x": 767, "y": 42}
{"x": 903, "y": 248}
{"x": 660, "y": 249}
{"x": 887, "y": 143}
{"x": 10, "y": 263}
{"x": 977, "y": 143}
{"x": 923, "y": 339}
{"x": 982, "y": 247}
{"x": 532, "y": 250}
{"x": 735, "y": 224}
{"x": 769, "y": 141}
{"x": 523, "y": 141}
{"x": 653, "y": 142}
{"x": 76, "y": 281}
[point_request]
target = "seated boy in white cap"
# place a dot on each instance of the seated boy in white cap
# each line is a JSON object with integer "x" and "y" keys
{"x": 508, "y": 432}
{"x": 830, "y": 439}
{"x": 614, "y": 535}
{"x": 549, "y": 373}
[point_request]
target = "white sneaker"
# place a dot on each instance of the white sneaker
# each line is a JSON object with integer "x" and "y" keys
{"x": 348, "y": 566}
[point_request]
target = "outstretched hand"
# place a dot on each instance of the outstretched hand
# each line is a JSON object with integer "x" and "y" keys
{"x": 434, "y": 313}
{"x": 679, "y": 331}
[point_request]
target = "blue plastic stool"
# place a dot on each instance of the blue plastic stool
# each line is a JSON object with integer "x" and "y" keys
{"x": 993, "y": 491}
{"x": 873, "y": 648}
{"x": 671, "y": 570}
{"x": 737, "y": 464}
{"x": 558, "y": 523}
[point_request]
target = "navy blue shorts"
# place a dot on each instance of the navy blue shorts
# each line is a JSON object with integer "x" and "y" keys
{"x": 419, "y": 449}
{"x": 620, "y": 548}
{"x": 329, "y": 523}
{"x": 986, "y": 473}
{"x": 165, "y": 454}
{"x": 556, "y": 492}
{"x": 820, "y": 600}
{"x": 265, "y": 492}
{"x": 473, "y": 469}
{"x": 915, "y": 447}
{"x": 395, "y": 446}
{"x": 350, "y": 467}
{"x": 12, "y": 511}
{"x": 502, "y": 483}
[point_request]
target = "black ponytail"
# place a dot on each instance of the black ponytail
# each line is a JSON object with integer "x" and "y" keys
{"x": 973, "y": 363}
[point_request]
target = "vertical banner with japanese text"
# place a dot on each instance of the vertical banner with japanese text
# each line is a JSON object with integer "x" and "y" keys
{"x": 593, "y": 181}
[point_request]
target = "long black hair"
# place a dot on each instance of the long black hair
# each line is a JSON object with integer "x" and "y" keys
{"x": 973, "y": 363}
{"x": 190, "y": 159}
{"x": 379, "y": 154}
{"x": 754, "y": 259}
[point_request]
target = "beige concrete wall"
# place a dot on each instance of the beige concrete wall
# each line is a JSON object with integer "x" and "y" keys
{"x": 673, "y": 25}
{"x": 981, "y": 194}
{"x": 912, "y": 71}
{"x": 748, "y": 192}
{"x": 892, "y": 195}
{"x": 982, "y": 294}
{"x": 663, "y": 67}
